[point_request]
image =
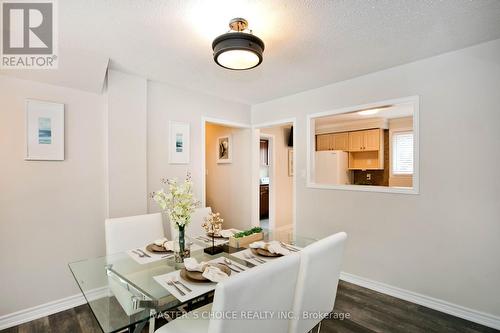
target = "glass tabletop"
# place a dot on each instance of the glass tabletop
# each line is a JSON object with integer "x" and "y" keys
{"x": 122, "y": 293}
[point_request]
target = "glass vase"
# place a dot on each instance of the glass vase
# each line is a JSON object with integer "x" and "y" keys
{"x": 181, "y": 246}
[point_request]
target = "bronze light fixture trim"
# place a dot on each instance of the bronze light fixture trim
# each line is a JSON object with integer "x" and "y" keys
{"x": 238, "y": 49}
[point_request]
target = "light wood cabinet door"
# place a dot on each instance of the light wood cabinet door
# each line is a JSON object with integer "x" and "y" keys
{"x": 356, "y": 140}
{"x": 340, "y": 141}
{"x": 323, "y": 142}
{"x": 371, "y": 140}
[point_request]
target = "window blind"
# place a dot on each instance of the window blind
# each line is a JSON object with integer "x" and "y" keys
{"x": 402, "y": 157}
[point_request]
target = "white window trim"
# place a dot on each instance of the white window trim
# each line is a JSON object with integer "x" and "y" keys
{"x": 310, "y": 145}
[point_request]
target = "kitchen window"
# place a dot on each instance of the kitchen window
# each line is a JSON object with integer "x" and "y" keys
{"x": 402, "y": 157}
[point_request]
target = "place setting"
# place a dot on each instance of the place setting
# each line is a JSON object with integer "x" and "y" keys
{"x": 197, "y": 278}
{"x": 260, "y": 252}
{"x": 159, "y": 249}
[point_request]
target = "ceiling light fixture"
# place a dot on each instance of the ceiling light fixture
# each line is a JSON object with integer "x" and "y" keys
{"x": 369, "y": 112}
{"x": 238, "y": 49}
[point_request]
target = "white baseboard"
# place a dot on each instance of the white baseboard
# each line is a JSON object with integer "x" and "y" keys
{"x": 430, "y": 302}
{"x": 39, "y": 311}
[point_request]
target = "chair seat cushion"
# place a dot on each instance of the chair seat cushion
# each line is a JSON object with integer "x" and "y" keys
{"x": 191, "y": 323}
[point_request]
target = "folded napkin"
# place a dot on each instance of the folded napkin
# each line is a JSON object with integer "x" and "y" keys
{"x": 214, "y": 274}
{"x": 192, "y": 265}
{"x": 210, "y": 272}
{"x": 168, "y": 245}
{"x": 227, "y": 233}
{"x": 272, "y": 246}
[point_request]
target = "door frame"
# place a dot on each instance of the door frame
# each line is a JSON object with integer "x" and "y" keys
{"x": 255, "y": 174}
{"x": 218, "y": 121}
{"x": 272, "y": 175}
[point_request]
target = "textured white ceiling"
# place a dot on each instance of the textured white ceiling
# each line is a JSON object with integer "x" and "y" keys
{"x": 308, "y": 43}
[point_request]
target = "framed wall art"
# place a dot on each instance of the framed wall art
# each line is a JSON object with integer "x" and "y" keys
{"x": 224, "y": 149}
{"x": 179, "y": 143}
{"x": 44, "y": 131}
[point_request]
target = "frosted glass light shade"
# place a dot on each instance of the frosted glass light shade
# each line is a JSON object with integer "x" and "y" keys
{"x": 238, "y": 59}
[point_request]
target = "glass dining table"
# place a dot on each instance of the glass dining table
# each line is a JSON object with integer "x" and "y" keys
{"x": 122, "y": 294}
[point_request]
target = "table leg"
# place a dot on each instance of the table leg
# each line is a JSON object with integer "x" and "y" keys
{"x": 138, "y": 328}
{"x": 152, "y": 321}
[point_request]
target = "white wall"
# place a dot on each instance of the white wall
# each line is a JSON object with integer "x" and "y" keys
{"x": 224, "y": 180}
{"x": 127, "y": 144}
{"x": 443, "y": 242}
{"x": 115, "y": 144}
{"x": 51, "y": 213}
{"x": 166, "y": 103}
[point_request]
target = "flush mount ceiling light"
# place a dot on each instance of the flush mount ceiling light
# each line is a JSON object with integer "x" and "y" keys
{"x": 238, "y": 49}
{"x": 369, "y": 112}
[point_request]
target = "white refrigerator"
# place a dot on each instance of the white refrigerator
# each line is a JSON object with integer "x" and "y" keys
{"x": 331, "y": 167}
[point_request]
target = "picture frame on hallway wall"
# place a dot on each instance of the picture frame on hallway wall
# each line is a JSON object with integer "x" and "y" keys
{"x": 224, "y": 149}
{"x": 179, "y": 143}
{"x": 44, "y": 131}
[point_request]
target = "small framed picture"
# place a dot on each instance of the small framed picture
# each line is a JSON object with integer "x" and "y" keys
{"x": 178, "y": 152}
{"x": 224, "y": 149}
{"x": 44, "y": 131}
{"x": 290, "y": 162}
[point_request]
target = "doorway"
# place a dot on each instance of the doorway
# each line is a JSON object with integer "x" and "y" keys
{"x": 227, "y": 171}
{"x": 274, "y": 176}
{"x": 266, "y": 172}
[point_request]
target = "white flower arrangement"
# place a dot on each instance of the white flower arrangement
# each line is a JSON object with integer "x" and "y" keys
{"x": 178, "y": 200}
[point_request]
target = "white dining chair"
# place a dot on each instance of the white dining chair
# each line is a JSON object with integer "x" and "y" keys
{"x": 317, "y": 281}
{"x": 125, "y": 233}
{"x": 269, "y": 287}
{"x": 194, "y": 229}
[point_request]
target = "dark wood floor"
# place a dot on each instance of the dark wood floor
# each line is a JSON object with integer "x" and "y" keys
{"x": 369, "y": 312}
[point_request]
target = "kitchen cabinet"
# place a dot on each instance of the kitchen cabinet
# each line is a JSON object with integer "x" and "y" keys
{"x": 366, "y": 150}
{"x": 368, "y": 140}
{"x": 323, "y": 142}
{"x": 356, "y": 141}
{"x": 264, "y": 202}
{"x": 372, "y": 139}
{"x": 332, "y": 141}
{"x": 340, "y": 141}
{"x": 365, "y": 147}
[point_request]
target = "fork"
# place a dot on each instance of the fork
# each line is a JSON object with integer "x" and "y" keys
{"x": 231, "y": 268}
{"x": 229, "y": 262}
{"x": 139, "y": 254}
{"x": 249, "y": 256}
{"x": 144, "y": 254}
{"x": 171, "y": 283}
{"x": 288, "y": 247}
{"x": 258, "y": 259}
{"x": 176, "y": 281}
